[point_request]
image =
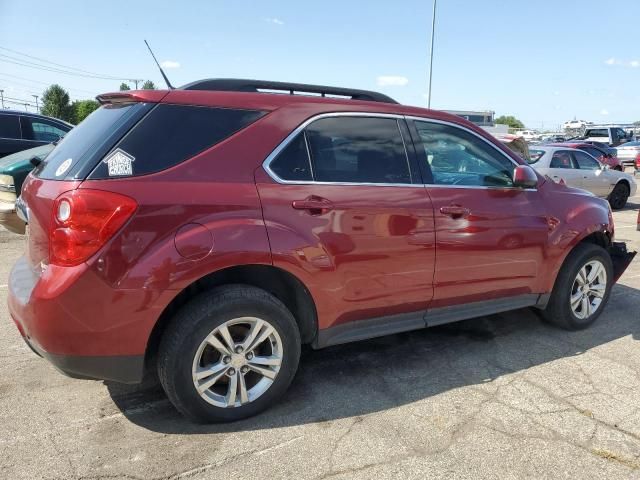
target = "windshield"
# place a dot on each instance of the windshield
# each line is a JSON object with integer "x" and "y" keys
{"x": 83, "y": 142}
{"x": 26, "y": 155}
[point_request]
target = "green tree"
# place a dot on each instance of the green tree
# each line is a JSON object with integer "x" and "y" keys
{"x": 149, "y": 85}
{"x": 124, "y": 86}
{"x": 55, "y": 103}
{"x": 510, "y": 120}
{"x": 82, "y": 109}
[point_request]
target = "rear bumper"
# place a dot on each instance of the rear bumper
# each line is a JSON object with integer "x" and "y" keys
{"x": 122, "y": 369}
{"x": 621, "y": 258}
{"x": 82, "y": 325}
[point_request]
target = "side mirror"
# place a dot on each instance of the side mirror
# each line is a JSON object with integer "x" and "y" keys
{"x": 524, "y": 177}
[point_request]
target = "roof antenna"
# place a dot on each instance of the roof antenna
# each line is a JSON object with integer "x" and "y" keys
{"x": 166, "y": 80}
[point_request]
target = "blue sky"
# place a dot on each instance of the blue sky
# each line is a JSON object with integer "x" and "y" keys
{"x": 543, "y": 61}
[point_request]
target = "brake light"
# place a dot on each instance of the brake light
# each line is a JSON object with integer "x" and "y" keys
{"x": 83, "y": 221}
{"x": 638, "y": 161}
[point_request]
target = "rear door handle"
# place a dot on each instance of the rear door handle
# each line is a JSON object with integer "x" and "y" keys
{"x": 455, "y": 211}
{"x": 315, "y": 205}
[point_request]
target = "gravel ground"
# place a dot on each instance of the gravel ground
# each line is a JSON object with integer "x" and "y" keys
{"x": 503, "y": 397}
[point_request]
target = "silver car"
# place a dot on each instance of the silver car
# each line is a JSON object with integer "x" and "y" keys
{"x": 578, "y": 169}
{"x": 628, "y": 153}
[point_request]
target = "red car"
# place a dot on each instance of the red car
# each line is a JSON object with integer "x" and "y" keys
{"x": 210, "y": 231}
{"x": 596, "y": 152}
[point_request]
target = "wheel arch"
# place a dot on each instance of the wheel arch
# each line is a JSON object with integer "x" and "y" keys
{"x": 283, "y": 285}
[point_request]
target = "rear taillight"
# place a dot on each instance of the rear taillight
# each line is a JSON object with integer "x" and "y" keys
{"x": 638, "y": 161}
{"x": 83, "y": 221}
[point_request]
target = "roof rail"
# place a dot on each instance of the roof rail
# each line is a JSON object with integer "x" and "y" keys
{"x": 241, "y": 85}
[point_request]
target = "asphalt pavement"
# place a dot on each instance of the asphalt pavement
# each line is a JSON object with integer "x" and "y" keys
{"x": 504, "y": 396}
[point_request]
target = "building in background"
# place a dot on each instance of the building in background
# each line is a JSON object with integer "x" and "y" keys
{"x": 482, "y": 119}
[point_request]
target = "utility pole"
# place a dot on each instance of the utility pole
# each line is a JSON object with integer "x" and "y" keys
{"x": 37, "y": 106}
{"x": 433, "y": 31}
{"x": 25, "y": 107}
{"x": 2, "y": 97}
{"x": 136, "y": 82}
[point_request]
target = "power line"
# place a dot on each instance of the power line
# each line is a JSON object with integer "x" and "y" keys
{"x": 64, "y": 67}
{"x": 87, "y": 92}
{"x": 25, "y": 63}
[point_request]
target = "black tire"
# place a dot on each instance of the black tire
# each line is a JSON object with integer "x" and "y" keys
{"x": 195, "y": 321}
{"x": 558, "y": 309}
{"x": 619, "y": 196}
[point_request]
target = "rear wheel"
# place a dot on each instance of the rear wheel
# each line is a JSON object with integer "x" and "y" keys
{"x": 229, "y": 354}
{"x": 582, "y": 288}
{"x": 619, "y": 195}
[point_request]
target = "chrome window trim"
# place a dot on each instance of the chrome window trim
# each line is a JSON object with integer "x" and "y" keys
{"x": 282, "y": 145}
{"x": 306, "y": 123}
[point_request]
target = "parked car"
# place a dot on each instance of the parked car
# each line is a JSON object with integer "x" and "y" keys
{"x": 208, "y": 232}
{"x": 599, "y": 153}
{"x": 629, "y": 153}
{"x": 612, "y": 136}
{"x": 578, "y": 169}
{"x": 22, "y": 130}
{"x": 528, "y": 135}
{"x": 14, "y": 169}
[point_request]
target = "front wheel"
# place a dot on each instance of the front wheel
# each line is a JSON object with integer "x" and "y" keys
{"x": 582, "y": 288}
{"x": 229, "y": 354}
{"x": 619, "y": 196}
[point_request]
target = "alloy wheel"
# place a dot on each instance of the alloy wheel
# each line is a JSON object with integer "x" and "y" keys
{"x": 237, "y": 362}
{"x": 588, "y": 289}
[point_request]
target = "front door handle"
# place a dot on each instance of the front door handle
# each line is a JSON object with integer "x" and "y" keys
{"x": 314, "y": 205}
{"x": 455, "y": 211}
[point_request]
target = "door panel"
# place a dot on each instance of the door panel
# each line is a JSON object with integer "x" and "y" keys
{"x": 494, "y": 250}
{"x": 594, "y": 178}
{"x": 369, "y": 253}
{"x": 490, "y": 236}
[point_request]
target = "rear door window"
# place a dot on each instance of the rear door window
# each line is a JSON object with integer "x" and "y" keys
{"x": 598, "y": 132}
{"x": 10, "y": 126}
{"x": 170, "y": 134}
{"x": 358, "y": 150}
{"x": 292, "y": 164}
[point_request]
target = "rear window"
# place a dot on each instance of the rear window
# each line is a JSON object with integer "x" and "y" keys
{"x": 84, "y": 144}
{"x": 170, "y": 134}
{"x": 9, "y": 126}
{"x": 597, "y": 132}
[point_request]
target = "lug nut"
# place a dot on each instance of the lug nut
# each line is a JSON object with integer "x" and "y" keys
{"x": 226, "y": 359}
{"x": 249, "y": 355}
{"x": 238, "y": 349}
{"x": 244, "y": 369}
{"x": 231, "y": 371}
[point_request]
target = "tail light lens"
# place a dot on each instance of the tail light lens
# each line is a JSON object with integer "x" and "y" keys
{"x": 638, "y": 161}
{"x": 83, "y": 221}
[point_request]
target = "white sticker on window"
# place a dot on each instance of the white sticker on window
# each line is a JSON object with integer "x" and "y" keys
{"x": 64, "y": 166}
{"x": 119, "y": 163}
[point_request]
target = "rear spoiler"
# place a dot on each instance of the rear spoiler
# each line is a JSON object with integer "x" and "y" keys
{"x": 129, "y": 96}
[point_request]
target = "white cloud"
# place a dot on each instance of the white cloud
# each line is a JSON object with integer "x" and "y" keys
{"x": 275, "y": 21}
{"x": 604, "y": 111}
{"x": 392, "y": 81}
{"x": 623, "y": 63}
{"x": 170, "y": 64}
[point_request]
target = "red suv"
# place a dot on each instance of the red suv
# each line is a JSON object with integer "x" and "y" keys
{"x": 208, "y": 232}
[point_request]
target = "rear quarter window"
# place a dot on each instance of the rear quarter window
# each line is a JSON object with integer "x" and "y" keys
{"x": 170, "y": 134}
